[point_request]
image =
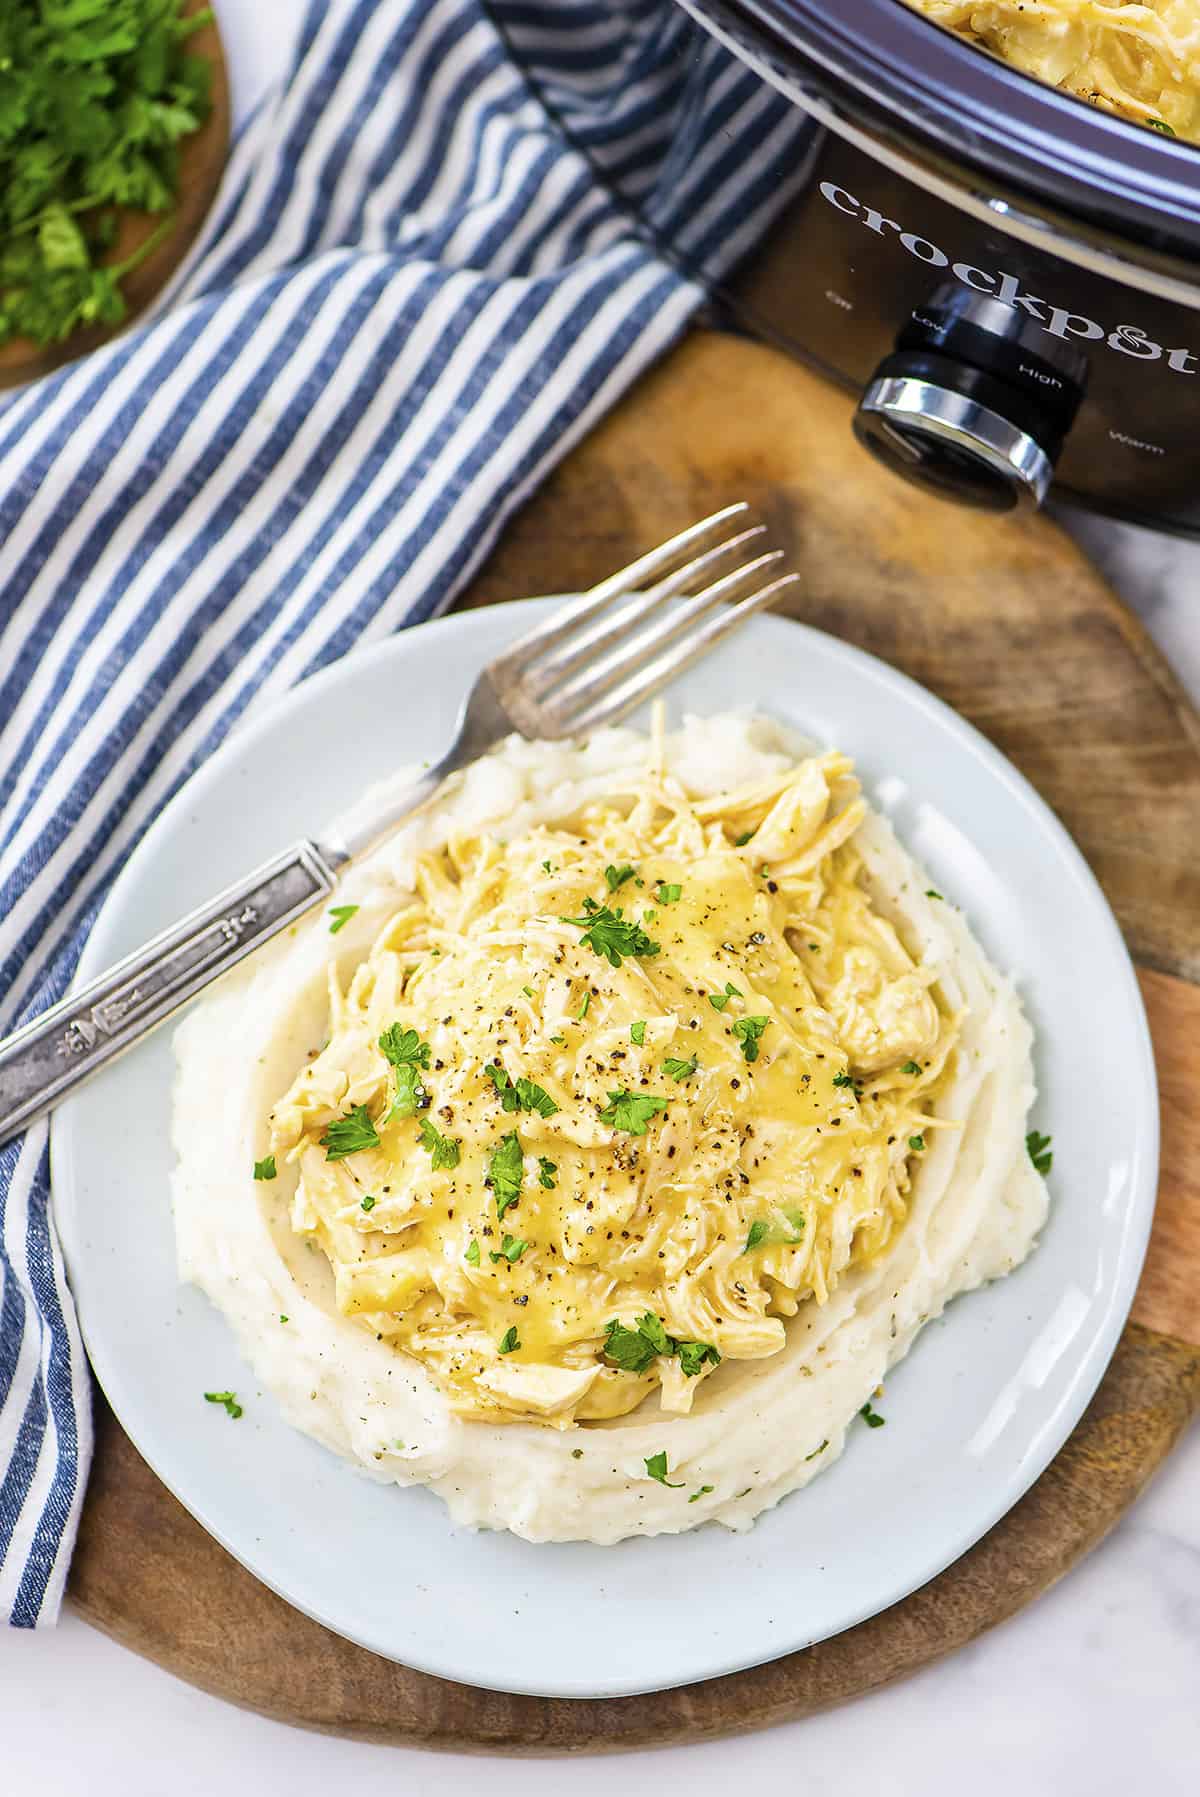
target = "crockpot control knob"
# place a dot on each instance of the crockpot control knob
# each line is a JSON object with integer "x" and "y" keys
{"x": 969, "y": 407}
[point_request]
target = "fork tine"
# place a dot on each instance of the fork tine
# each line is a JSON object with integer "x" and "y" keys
{"x": 617, "y": 619}
{"x": 597, "y": 675}
{"x": 564, "y": 622}
{"x": 624, "y": 696}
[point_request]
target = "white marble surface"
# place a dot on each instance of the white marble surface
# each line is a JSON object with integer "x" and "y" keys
{"x": 1093, "y": 1690}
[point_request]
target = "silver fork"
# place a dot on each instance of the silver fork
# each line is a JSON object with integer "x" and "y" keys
{"x": 590, "y": 663}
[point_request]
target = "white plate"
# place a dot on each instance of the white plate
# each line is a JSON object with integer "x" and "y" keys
{"x": 974, "y": 1414}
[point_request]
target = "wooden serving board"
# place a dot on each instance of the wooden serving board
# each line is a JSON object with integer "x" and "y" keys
{"x": 201, "y": 165}
{"x": 1011, "y": 624}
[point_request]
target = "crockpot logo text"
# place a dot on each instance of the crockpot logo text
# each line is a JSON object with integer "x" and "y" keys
{"x": 1127, "y": 339}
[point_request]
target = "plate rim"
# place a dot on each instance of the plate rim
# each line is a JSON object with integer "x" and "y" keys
{"x": 262, "y": 720}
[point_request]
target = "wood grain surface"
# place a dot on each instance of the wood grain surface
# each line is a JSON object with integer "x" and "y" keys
{"x": 201, "y": 165}
{"x": 1008, "y": 622}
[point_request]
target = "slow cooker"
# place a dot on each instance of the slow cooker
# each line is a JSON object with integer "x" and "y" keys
{"x": 1008, "y": 278}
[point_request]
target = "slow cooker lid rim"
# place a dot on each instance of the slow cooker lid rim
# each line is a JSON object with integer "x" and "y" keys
{"x": 970, "y": 107}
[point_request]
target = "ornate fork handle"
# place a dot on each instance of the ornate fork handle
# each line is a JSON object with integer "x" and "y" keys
{"x": 70, "y": 1041}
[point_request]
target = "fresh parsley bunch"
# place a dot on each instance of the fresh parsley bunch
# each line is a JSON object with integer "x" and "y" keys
{"x": 95, "y": 98}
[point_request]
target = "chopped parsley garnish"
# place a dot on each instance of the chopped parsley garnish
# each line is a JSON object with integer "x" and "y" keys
{"x": 612, "y": 934}
{"x": 911, "y": 1067}
{"x": 265, "y": 1169}
{"x": 547, "y": 867}
{"x": 1037, "y": 1147}
{"x": 693, "y": 1356}
{"x": 637, "y": 1032}
{"x": 472, "y": 1254}
{"x": 679, "y": 1070}
{"x": 632, "y": 1111}
{"x": 871, "y": 1417}
{"x": 525, "y": 1095}
{"x": 506, "y": 1170}
{"x": 583, "y": 1009}
{"x": 341, "y": 915}
{"x": 718, "y": 1000}
{"x": 444, "y": 1151}
{"x": 748, "y": 1031}
{"x": 510, "y": 1341}
{"x": 656, "y": 1466}
{"x": 228, "y": 1399}
{"x": 616, "y": 876}
{"x": 668, "y": 893}
{"x": 1160, "y": 125}
{"x": 368, "y": 1202}
{"x": 845, "y": 1079}
{"x": 817, "y": 1451}
{"x": 404, "y": 1048}
{"x": 348, "y": 1135}
{"x": 510, "y": 1250}
{"x": 930, "y": 893}
{"x": 633, "y": 1349}
{"x": 917, "y": 1144}
{"x": 546, "y": 1171}
{"x": 743, "y": 839}
{"x": 411, "y": 1095}
{"x": 528, "y": 991}
{"x": 282, "y": 1318}
{"x": 697, "y": 1495}
{"x": 558, "y": 1041}
{"x": 759, "y": 1231}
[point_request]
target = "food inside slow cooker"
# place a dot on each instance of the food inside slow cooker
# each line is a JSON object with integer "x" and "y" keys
{"x": 1141, "y": 62}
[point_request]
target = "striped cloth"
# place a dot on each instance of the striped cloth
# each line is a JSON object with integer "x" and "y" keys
{"x": 431, "y": 268}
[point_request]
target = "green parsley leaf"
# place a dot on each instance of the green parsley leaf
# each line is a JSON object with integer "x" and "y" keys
{"x": 911, "y": 1067}
{"x": 510, "y": 1341}
{"x": 632, "y": 1111}
{"x": 637, "y": 1032}
{"x": 472, "y": 1254}
{"x": 611, "y": 934}
{"x": 368, "y": 1202}
{"x": 411, "y": 1095}
{"x": 743, "y": 839}
{"x": 759, "y": 1231}
{"x": 265, "y": 1169}
{"x": 694, "y": 1356}
{"x": 655, "y": 1332}
{"x": 583, "y": 1009}
{"x": 718, "y": 1000}
{"x": 547, "y": 868}
{"x": 228, "y": 1399}
{"x": 748, "y": 1031}
{"x": 628, "y": 1349}
{"x": 546, "y": 1171}
{"x": 930, "y": 893}
{"x": 668, "y": 893}
{"x": 350, "y": 1134}
{"x": 917, "y": 1144}
{"x": 679, "y": 1070}
{"x": 445, "y": 1151}
{"x": 697, "y": 1495}
{"x": 656, "y": 1466}
{"x": 282, "y": 1318}
{"x": 404, "y": 1048}
{"x": 616, "y": 876}
{"x": 845, "y": 1079}
{"x": 506, "y": 1170}
{"x": 528, "y": 991}
{"x": 341, "y": 915}
{"x": 871, "y": 1417}
{"x": 816, "y": 1451}
{"x": 506, "y": 1092}
{"x": 1160, "y": 125}
{"x": 558, "y": 1040}
{"x": 1037, "y": 1147}
{"x": 532, "y": 1097}
{"x": 510, "y": 1250}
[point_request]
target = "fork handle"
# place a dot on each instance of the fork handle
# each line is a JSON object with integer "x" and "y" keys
{"x": 64, "y": 1046}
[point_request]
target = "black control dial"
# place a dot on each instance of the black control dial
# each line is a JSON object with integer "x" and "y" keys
{"x": 975, "y": 402}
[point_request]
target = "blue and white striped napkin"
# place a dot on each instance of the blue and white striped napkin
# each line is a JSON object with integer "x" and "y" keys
{"x": 431, "y": 269}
